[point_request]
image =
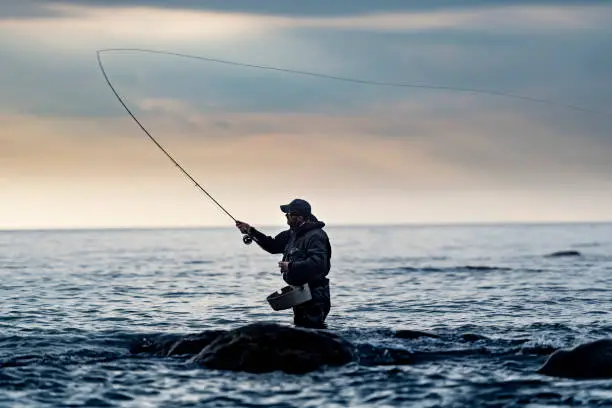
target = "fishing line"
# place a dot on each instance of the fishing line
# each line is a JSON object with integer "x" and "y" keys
{"x": 247, "y": 239}
{"x": 365, "y": 81}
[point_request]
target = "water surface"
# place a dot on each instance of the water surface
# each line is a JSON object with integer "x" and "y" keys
{"x": 73, "y": 302}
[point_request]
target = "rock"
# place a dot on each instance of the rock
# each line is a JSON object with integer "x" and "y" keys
{"x": 414, "y": 334}
{"x": 586, "y": 361}
{"x": 266, "y": 347}
{"x": 471, "y": 337}
{"x": 561, "y": 254}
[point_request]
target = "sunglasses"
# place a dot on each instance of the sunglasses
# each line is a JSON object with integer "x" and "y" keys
{"x": 292, "y": 215}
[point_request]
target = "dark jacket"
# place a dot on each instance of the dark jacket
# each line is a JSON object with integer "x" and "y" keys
{"x": 307, "y": 249}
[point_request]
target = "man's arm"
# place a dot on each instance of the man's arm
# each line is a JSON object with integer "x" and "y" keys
{"x": 273, "y": 245}
{"x": 315, "y": 265}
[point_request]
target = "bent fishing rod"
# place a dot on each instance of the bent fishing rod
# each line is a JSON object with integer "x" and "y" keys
{"x": 247, "y": 239}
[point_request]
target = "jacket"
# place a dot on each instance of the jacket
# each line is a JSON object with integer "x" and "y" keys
{"x": 307, "y": 249}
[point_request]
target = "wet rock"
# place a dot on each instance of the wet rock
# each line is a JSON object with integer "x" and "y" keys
{"x": 561, "y": 254}
{"x": 587, "y": 361}
{"x": 471, "y": 337}
{"x": 266, "y": 347}
{"x": 414, "y": 334}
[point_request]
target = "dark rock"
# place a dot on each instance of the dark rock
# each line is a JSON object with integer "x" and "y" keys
{"x": 266, "y": 347}
{"x": 586, "y": 361}
{"x": 561, "y": 254}
{"x": 414, "y": 334}
{"x": 473, "y": 337}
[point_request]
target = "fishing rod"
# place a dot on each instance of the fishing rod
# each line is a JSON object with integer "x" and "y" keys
{"x": 247, "y": 239}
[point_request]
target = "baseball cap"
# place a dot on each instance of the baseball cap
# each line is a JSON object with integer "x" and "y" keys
{"x": 297, "y": 206}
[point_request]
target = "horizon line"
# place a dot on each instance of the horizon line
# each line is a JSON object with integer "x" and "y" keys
{"x": 327, "y": 225}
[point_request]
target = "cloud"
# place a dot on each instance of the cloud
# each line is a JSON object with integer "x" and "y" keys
{"x": 44, "y": 62}
{"x": 186, "y": 23}
{"x": 313, "y": 8}
{"x": 27, "y": 9}
{"x": 436, "y": 48}
{"x": 491, "y": 19}
{"x": 401, "y": 146}
{"x": 134, "y": 24}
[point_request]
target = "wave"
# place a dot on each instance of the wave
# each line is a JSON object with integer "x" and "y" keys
{"x": 446, "y": 269}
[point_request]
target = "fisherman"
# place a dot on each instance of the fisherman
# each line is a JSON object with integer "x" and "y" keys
{"x": 306, "y": 259}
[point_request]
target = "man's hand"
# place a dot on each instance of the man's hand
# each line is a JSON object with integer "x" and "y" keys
{"x": 243, "y": 227}
{"x": 284, "y": 266}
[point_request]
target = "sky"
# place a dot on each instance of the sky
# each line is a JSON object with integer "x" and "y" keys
{"x": 426, "y": 152}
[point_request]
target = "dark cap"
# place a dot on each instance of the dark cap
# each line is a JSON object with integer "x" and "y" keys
{"x": 298, "y": 207}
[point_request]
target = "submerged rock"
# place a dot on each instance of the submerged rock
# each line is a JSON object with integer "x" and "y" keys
{"x": 265, "y": 347}
{"x": 560, "y": 254}
{"x": 586, "y": 361}
{"x": 472, "y": 337}
{"x": 414, "y": 334}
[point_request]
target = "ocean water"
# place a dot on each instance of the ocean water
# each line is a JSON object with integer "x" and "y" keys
{"x": 72, "y": 304}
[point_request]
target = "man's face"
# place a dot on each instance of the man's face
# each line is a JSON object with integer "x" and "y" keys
{"x": 294, "y": 220}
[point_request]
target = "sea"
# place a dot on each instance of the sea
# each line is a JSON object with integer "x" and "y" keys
{"x": 74, "y": 302}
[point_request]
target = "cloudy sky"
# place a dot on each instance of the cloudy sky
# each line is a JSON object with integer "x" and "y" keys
{"x": 70, "y": 156}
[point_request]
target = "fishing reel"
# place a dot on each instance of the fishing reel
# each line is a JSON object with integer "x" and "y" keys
{"x": 247, "y": 239}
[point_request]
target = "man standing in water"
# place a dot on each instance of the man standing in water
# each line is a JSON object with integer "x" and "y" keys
{"x": 306, "y": 259}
